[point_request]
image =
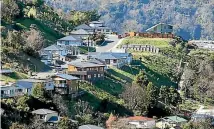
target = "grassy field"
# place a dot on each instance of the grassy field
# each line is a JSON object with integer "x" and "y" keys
{"x": 13, "y": 77}
{"x": 157, "y": 42}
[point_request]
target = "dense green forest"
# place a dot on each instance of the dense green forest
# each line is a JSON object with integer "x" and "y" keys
{"x": 192, "y": 19}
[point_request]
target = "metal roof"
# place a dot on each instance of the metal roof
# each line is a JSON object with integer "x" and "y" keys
{"x": 85, "y": 64}
{"x": 176, "y": 119}
{"x": 108, "y": 55}
{"x": 157, "y": 25}
{"x": 53, "y": 47}
{"x": 90, "y": 127}
{"x": 69, "y": 38}
{"x": 43, "y": 111}
{"x": 81, "y": 32}
{"x": 67, "y": 77}
{"x": 28, "y": 83}
{"x": 83, "y": 26}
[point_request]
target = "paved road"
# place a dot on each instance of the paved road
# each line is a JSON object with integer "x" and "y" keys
{"x": 111, "y": 42}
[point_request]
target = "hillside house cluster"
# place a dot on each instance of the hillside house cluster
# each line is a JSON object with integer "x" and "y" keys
{"x": 69, "y": 45}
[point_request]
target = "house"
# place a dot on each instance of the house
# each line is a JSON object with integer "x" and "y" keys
{"x": 46, "y": 115}
{"x": 55, "y": 50}
{"x": 86, "y": 70}
{"x": 84, "y": 27}
{"x": 28, "y": 84}
{"x": 90, "y": 127}
{"x": 65, "y": 84}
{"x": 161, "y": 28}
{"x": 141, "y": 122}
{"x": 46, "y": 57}
{"x": 171, "y": 121}
{"x": 99, "y": 27}
{"x": 70, "y": 40}
{"x": 10, "y": 90}
{"x": 203, "y": 44}
{"x": 6, "y": 71}
{"x": 130, "y": 122}
{"x": 115, "y": 59}
{"x": 203, "y": 113}
{"x": 84, "y": 35}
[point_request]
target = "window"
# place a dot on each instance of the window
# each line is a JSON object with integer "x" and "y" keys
{"x": 66, "y": 42}
{"x": 101, "y": 75}
{"x": 98, "y": 29}
{"x": 95, "y": 75}
{"x": 98, "y": 75}
{"x": 114, "y": 61}
{"x": 107, "y": 30}
{"x": 170, "y": 27}
{"x": 89, "y": 76}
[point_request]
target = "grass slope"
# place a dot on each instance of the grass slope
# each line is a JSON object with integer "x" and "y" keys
{"x": 157, "y": 42}
{"x": 13, "y": 77}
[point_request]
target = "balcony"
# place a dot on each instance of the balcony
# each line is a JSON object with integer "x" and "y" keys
{"x": 61, "y": 85}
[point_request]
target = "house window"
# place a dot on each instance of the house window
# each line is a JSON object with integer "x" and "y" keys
{"x": 95, "y": 75}
{"x": 107, "y": 30}
{"x": 98, "y": 75}
{"x": 170, "y": 27}
{"x": 98, "y": 29}
{"x": 114, "y": 61}
{"x": 66, "y": 42}
{"x": 89, "y": 76}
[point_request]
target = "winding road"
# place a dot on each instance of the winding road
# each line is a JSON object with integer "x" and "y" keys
{"x": 111, "y": 42}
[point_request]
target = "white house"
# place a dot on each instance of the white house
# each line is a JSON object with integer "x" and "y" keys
{"x": 161, "y": 28}
{"x": 84, "y": 27}
{"x": 203, "y": 44}
{"x": 10, "y": 90}
{"x": 28, "y": 84}
{"x": 47, "y": 115}
{"x": 202, "y": 114}
{"x": 170, "y": 121}
{"x": 142, "y": 122}
{"x": 70, "y": 40}
{"x": 99, "y": 27}
{"x": 115, "y": 59}
{"x": 46, "y": 57}
{"x": 55, "y": 50}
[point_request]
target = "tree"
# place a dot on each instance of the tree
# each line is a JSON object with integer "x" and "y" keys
{"x": 84, "y": 112}
{"x": 9, "y": 10}
{"x": 163, "y": 95}
{"x": 135, "y": 99}
{"x": 65, "y": 123}
{"x": 61, "y": 104}
{"x": 22, "y": 103}
{"x": 141, "y": 79}
{"x": 34, "y": 39}
{"x": 17, "y": 126}
{"x": 38, "y": 91}
{"x": 151, "y": 94}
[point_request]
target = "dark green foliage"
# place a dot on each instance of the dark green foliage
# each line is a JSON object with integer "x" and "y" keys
{"x": 141, "y": 79}
{"x": 38, "y": 91}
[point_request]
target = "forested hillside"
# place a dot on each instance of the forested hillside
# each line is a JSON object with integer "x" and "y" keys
{"x": 192, "y": 19}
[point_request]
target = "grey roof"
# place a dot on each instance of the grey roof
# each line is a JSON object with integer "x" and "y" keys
{"x": 80, "y": 32}
{"x": 83, "y": 26}
{"x": 43, "y": 52}
{"x": 108, "y": 55}
{"x": 43, "y": 111}
{"x": 157, "y": 25}
{"x": 96, "y": 22}
{"x": 67, "y": 77}
{"x": 69, "y": 38}
{"x": 90, "y": 127}
{"x": 28, "y": 83}
{"x": 53, "y": 47}
{"x": 85, "y": 64}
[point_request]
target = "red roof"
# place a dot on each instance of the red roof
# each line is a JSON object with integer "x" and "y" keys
{"x": 140, "y": 118}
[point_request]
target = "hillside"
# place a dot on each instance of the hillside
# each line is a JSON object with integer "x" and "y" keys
{"x": 191, "y": 19}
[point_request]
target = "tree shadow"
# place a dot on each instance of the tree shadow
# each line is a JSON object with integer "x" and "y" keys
{"x": 106, "y": 43}
{"x": 114, "y": 73}
{"x": 156, "y": 78}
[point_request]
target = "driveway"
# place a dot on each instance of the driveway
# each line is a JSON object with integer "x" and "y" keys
{"x": 111, "y": 42}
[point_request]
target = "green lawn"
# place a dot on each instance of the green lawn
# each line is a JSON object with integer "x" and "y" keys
{"x": 13, "y": 77}
{"x": 157, "y": 42}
